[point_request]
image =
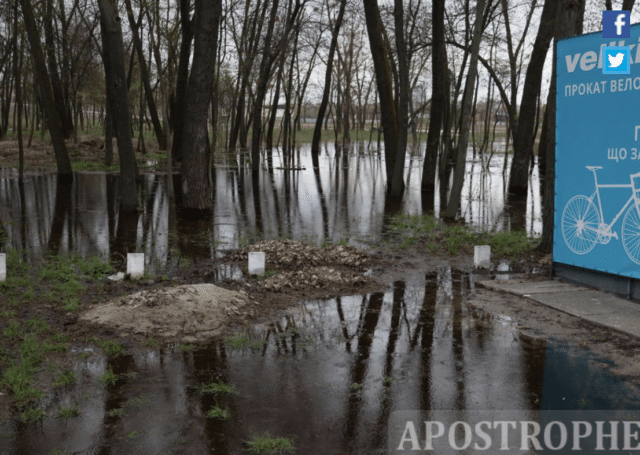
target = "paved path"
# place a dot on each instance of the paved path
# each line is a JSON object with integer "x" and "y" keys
{"x": 597, "y": 307}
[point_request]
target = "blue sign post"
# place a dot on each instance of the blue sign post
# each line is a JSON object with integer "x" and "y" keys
{"x": 597, "y": 201}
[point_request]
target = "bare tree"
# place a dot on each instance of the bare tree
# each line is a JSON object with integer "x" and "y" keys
{"x": 465, "y": 117}
{"x": 196, "y": 191}
{"x": 46, "y": 95}
{"x": 523, "y": 142}
{"x": 113, "y": 56}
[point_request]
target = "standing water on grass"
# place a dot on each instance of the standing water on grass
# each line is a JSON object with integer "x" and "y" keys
{"x": 325, "y": 376}
{"x": 343, "y": 199}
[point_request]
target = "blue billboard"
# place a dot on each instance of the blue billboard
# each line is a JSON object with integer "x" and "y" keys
{"x": 597, "y": 201}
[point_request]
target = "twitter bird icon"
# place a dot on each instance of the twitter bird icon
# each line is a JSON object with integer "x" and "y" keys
{"x": 616, "y": 60}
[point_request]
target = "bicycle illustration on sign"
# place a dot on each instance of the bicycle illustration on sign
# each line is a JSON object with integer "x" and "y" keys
{"x": 583, "y": 223}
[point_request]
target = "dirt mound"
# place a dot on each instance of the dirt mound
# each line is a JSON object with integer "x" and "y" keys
{"x": 196, "y": 311}
{"x": 291, "y": 254}
{"x": 317, "y": 277}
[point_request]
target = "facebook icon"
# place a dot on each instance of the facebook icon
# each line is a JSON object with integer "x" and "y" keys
{"x": 616, "y": 24}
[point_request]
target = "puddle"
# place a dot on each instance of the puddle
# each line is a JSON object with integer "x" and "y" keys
{"x": 327, "y": 374}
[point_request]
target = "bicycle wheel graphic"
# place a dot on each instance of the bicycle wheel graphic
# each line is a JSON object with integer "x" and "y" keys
{"x": 580, "y": 221}
{"x": 631, "y": 233}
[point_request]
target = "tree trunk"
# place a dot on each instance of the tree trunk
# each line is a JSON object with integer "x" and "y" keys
{"x": 397, "y": 183}
{"x": 568, "y": 23}
{"x": 113, "y": 56}
{"x": 17, "y": 67}
{"x": 182, "y": 80}
{"x": 274, "y": 107}
{"x": 44, "y": 84}
{"x": 56, "y": 84}
{"x": 261, "y": 90}
{"x": 436, "y": 113}
{"x": 384, "y": 80}
{"x": 465, "y": 118}
{"x": 523, "y": 145}
{"x": 317, "y": 132}
{"x": 144, "y": 75}
{"x": 196, "y": 191}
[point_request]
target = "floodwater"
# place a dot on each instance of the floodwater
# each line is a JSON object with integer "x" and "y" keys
{"x": 327, "y": 373}
{"x": 344, "y": 198}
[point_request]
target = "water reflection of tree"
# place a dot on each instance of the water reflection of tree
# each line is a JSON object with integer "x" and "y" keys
{"x": 358, "y": 371}
{"x": 60, "y": 212}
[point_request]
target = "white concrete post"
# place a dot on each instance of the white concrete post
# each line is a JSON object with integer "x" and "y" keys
{"x": 3, "y": 266}
{"x": 256, "y": 263}
{"x": 482, "y": 256}
{"x": 135, "y": 264}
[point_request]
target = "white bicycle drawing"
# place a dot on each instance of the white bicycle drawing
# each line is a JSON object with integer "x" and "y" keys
{"x": 583, "y": 223}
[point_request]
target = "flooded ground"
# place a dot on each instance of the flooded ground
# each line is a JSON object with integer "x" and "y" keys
{"x": 325, "y": 373}
{"x": 343, "y": 199}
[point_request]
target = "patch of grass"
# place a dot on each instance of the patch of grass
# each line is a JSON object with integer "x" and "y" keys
{"x": 266, "y": 444}
{"x": 217, "y": 412}
{"x": 12, "y": 282}
{"x": 95, "y": 268}
{"x": 185, "y": 347}
{"x": 132, "y": 435}
{"x": 241, "y": 341}
{"x": 139, "y": 400}
{"x": 93, "y": 166}
{"x": 150, "y": 343}
{"x": 36, "y": 324}
{"x": 115, "y": 412}
{"x": 356, "y": 387}
{"x": 388, "y": 380}
{"x": 70, "y": 287}
{"x": 28, "y": 295}
{"x": 180, "y": 441}
{"x": 218, "y": 387}
{"x": 4, "y": 355}
{"x": 7, "y": 314}
{"x": 111, "y": 348}
{"x": 31, "y": 351}
{"x": 32, "y": 414}
{"x": 511, "y": 244}
{"x": 19, "y": 377}
{"x": 59, "y": 337}
{"x": 270, "y": 272}
{"x": 49, "y": 346}
{"x": 109, "y": 378}
{"x": 72, "y": 304}
{"x": 68, "y": 413}
{"x": 65, "y": 378}
{"x": 12, "y": 330}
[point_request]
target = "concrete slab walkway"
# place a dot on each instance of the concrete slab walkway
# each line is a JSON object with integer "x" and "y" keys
{"x": 596, "y": 307}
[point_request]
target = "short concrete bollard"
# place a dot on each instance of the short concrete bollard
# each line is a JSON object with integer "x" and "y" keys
{"x": 482, "y": 256}
{"x": 503, "y": 266}
{"x": 3, "y": 266}
{"x": 256, "y": 263}
{"x": 135, "y": 264}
